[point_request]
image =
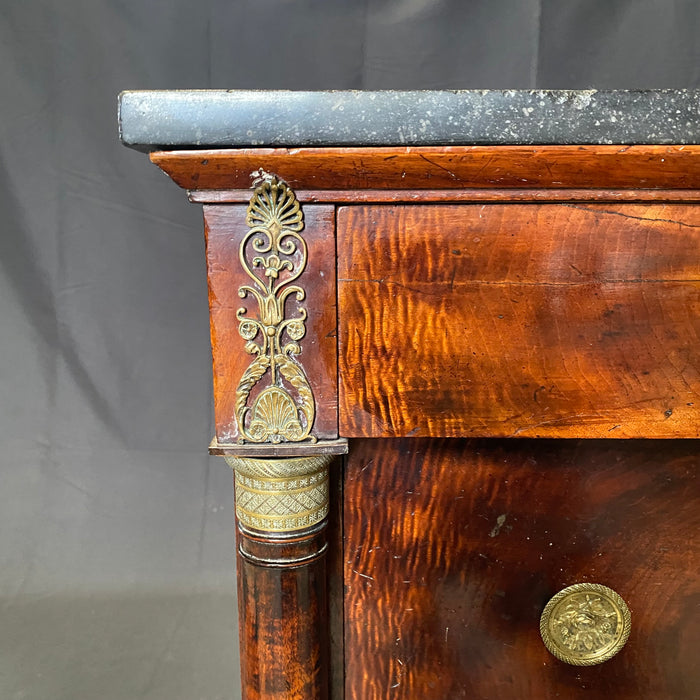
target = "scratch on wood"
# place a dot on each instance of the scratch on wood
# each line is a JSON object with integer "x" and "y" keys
{"x": 630, "y": 216}
{"x": 369, "y": 578}
{"x": 437, "y": 165}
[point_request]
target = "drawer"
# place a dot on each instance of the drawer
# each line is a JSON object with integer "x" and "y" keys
{"x": 531, "y": 320}
{"x": 452, "y": 548}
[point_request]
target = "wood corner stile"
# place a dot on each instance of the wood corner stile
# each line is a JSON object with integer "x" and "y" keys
{"x": 273, "y": 433}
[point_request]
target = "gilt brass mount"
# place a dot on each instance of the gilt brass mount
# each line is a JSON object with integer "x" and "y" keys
{"x": 273, "y": 254}
{"x": 585, "y": 624}
{"x": 281, "y": 495}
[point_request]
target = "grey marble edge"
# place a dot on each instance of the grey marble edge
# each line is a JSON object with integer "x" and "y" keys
{"x": 178, "y": 119}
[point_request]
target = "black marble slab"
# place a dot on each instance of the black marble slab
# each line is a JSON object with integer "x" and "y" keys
{"x": 171, "y": 119}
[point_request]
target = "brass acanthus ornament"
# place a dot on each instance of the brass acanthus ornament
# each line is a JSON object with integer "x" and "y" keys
{"x": 585, "y": 624}
{"x": 274, "y": 255}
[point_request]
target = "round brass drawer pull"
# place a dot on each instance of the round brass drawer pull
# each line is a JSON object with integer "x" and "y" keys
{"x": 585, "y": 624}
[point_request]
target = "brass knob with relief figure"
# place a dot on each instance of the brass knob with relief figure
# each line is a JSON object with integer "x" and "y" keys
{"x": 585, "y": 624}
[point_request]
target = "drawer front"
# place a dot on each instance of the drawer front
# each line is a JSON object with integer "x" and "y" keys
{"x": 533, "y": 320}
{"x": 453, "y": 548}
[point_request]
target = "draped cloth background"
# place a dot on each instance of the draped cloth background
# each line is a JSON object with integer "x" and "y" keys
{"x": 116, "y": 529}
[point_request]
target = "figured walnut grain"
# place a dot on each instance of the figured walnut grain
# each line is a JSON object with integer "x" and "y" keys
{"x": 577, "y": 320}
{"x": 453, "y": 548}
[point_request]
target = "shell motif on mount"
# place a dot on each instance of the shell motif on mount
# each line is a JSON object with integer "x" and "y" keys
{"x": 274, "y": 255}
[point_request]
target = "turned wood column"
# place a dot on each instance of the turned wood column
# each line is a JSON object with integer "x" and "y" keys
{"x": 281, "y": 509}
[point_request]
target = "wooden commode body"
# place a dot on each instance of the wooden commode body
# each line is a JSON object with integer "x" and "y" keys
{"x": 456, "y": 345}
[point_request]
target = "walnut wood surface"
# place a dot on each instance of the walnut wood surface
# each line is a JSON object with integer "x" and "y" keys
{"x": 568, "y": 320}
{"x": 461, "y": 195}
{"x": 283, "y": 617}
{"x": 453, "y": 547}
{"x": 336, "y": 583}
{"x": 225, "y": 227}
{"x": 447, "y": 167}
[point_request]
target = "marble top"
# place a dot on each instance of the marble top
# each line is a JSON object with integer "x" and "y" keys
{"x": 172, "y": 119}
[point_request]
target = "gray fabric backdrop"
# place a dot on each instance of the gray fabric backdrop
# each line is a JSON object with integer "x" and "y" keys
{"x": 116, "y": 529}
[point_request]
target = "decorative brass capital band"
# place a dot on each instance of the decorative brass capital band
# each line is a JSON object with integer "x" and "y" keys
{"x": 281, "y": 495}
{"x": 585, "y": 624}
{"x": 274, "y": 255}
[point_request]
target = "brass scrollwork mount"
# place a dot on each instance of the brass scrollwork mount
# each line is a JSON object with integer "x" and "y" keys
{"x": 273, "y": 254}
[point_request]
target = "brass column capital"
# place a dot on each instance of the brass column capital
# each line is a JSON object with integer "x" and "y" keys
{"x": 281, "y": 495}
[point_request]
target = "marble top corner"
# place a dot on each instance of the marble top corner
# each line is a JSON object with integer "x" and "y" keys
{"x": 174, "y": 119}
